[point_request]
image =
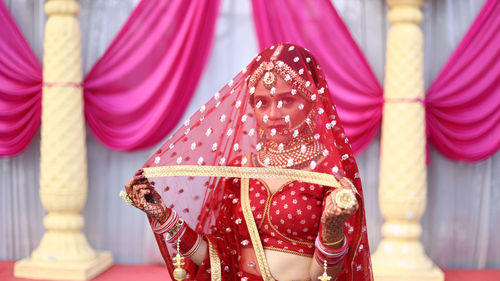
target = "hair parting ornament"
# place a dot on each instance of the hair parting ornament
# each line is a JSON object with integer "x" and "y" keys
{"x": 268, "y": 70}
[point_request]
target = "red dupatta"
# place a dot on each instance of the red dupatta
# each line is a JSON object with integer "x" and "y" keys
{"x": 195, "y": 170}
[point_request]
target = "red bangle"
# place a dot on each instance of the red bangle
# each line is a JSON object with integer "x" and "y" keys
{"x": 168, "y": 225}
{"x": 320, "y": 258}
{"x": 190, "y": 242}
{"x": 331, "y": 251}
{"x": 332, "y": 256}
{"x": 172, "y": 238}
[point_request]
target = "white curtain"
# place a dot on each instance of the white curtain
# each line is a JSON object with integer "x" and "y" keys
{"x": 460, "y": 221}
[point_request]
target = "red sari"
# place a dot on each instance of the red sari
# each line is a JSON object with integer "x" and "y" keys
{"x": 204, "y": 173}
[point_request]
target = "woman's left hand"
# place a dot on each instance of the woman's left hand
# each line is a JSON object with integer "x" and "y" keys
{"x": 334, "y": 217}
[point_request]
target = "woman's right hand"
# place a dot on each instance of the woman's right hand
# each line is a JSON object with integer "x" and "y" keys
{"x": 145, "y": 197}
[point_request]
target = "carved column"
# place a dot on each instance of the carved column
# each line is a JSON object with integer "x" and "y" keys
{"x": 403, "y": 186}
{"x": 64, "y": 252}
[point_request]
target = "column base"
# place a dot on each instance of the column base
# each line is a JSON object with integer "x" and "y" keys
{"x": 435, "y": 274}
{"x": 403, "y": 260}
{"x": 27, "y": 268}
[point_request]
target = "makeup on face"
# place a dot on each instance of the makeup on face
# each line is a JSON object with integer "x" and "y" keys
{"x": 279, "y": 110}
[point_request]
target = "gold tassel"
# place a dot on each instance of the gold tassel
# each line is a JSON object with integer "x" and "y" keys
{"x": 179, "y": 272}
{"x": 325, "y": 276}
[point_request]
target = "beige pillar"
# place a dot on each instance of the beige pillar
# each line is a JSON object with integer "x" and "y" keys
{"x": 403, "y": 186}
{"x": 64, "y": 252}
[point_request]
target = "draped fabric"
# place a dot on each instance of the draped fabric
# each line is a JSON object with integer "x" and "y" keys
{"x": 20, "y": 88}
{"x": 134, "y": 95}
{"x": 453, "y": 236}
{"x": 274, "y": 119}
{"x": 463, "y": 103}
{"x": 462, "y": 119}
{"x": 316, "y": 25}
{"x": 139, "y": 89}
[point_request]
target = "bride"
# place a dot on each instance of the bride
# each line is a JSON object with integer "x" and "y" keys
{"x": 261, "y": 182}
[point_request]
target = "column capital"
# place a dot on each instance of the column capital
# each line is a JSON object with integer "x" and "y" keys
{"x": 405, "y": 11}
{"x": 62, "y": 7}
{"x": 416, "y": 3}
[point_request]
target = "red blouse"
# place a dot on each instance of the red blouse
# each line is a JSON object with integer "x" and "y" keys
{"x": 288, "y": 220}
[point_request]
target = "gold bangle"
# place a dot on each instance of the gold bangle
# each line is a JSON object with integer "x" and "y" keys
{"x": 334, "y": 243}
{"x": 174, "y": 230}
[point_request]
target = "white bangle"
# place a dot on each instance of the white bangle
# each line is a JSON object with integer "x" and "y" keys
{"x": 331, "y": 252}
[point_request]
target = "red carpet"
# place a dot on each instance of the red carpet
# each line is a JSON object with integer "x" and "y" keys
{"x": 159, "y": 273}
{"x": 471, "y": 275}
{"x": 117, "y": 272}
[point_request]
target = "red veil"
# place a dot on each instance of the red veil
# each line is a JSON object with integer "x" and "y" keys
{"x": 197, "y": 170}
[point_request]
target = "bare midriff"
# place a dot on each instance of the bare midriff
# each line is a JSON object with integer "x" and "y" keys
{"x": 283, "y": 266}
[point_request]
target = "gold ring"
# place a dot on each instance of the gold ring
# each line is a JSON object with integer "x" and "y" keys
{"x": 126, "y": 197}
{"x": 345, "y": 199}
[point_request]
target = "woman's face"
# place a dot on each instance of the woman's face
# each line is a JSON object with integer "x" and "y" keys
{"x": 278, "y": 113}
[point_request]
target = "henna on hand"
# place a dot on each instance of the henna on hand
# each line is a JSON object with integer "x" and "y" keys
{"x": 145, "y": 197}
{"x": 152, "y": 204}
{"x": 334, "y": 217}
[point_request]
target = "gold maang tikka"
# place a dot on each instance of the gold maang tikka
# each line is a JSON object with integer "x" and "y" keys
{"x": 269, "y": 79}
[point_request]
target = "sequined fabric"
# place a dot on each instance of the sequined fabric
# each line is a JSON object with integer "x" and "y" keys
{"x": 230, "y": 130}
{"x": 288, "y": 220}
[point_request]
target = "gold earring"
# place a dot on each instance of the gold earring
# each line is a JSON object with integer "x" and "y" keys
{"x": 312, "y": 123}
{"x": 262, "y": 134}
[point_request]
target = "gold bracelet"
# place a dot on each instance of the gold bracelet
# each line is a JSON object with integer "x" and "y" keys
{"x": 334, "y": 243}
{"x": 174, "y": 230}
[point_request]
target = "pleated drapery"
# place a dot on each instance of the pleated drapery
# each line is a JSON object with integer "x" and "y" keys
{"x": 20, "y": 88}
{"x": 134, "y": 95}
{"x": 463, "y": 102}
{"x": 455, "y": 236}
{"x": 315, "y": 25}
{"x": 137, "y": 92}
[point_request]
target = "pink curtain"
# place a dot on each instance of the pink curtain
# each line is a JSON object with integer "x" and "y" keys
{"x": 137, "y": 92}
{"x": 20, "y": 88}
{"x": 316, "y": 25}
{"x": 463, "y": 103}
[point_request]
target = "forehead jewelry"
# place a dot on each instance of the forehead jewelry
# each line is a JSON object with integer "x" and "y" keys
{"x": 269, "y": 79}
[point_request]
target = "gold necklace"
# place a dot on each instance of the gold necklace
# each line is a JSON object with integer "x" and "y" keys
{"x": 295, "y": 153}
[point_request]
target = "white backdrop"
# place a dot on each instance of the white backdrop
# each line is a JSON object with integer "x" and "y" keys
{"x": 461, "y": 219}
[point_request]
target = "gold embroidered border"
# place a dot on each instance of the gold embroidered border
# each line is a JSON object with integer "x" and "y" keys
{"x": 215, "y": 268}
{"x": 297, "y": 81}
{"x": 288, "y": 251}
{"x": 268, "y": 201}
{"x": 253, "y": 231}
{"x": 242, "y": 172}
